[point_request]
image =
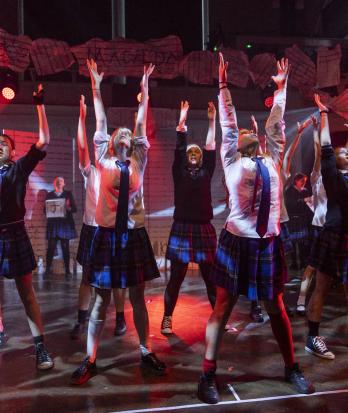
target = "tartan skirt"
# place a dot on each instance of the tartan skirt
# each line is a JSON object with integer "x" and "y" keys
{"x": 313, "y": 236}
{"x": 285, "y": 237}
{"x": 83, "y": 256}
{"x": 113, "y": 267}
{"x": 329, "y": 254}
{"x": 298, "y": 228}
{"x": 61, "y": 228}
{"x": 190, "y": 242}
{"x": 16, "y": 253}
{"x": 254, "y": 267}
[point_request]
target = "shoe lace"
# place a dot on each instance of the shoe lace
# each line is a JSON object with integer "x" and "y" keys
{"x": 320, "y": 344}
{"x": 84, "y": 365}
{"x": 167, "y": 322}
{"x": 42, "y": 354}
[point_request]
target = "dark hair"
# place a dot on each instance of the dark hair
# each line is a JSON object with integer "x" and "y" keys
{"x": 299, "y": 176}
{"x": 12, "y": 142}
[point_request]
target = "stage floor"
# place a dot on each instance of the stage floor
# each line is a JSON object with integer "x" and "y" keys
{"x": 250, "y": 367}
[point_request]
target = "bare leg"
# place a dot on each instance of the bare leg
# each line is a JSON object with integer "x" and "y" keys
{"x": 316, "y": 302}
{"x": 305, "y": 284}
{"x": 140, "y": 314}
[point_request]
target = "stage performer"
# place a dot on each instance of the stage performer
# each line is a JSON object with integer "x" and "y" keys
{"x": 17, "y": 260}
{"x": 122, "y": 255}
{"x": 91, "y": 178}
{"x": 250, "y": 257}
{"x": 192, "y": 237}
{"x": 330, "y": 251}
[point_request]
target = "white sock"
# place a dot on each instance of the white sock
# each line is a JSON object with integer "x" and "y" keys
{"x": 95, "y": 328}
{"x": 144, "y": 350}
{"x": 301, "y": 300}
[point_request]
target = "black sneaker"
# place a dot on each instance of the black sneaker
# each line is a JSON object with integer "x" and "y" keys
{"x": 207, "y": 389}
{"x": 85, "y": 372}
{"x": 77, "y": 331}
{"x": 166, "y": 325}
{"x": 152, "y": 362}
{"x": 120, "y": 327}
{"x": 2, "y": 339}
{"x": 256, "y": 314}
{"x": 316, "y": 345}
{"x": 43, "y": 360}
{"x": 295, "y": 376}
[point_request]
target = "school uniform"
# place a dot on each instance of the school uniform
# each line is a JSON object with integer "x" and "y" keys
{"x": 16, "y": 253}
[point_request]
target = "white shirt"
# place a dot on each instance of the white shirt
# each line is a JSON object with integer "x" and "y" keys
{"x": 319, "y": 199}
{"x": 110, "y": 182}
{"x": 92, "y": 183}
{"x": 240, "y": 171}
{"x": 284, "y": 217}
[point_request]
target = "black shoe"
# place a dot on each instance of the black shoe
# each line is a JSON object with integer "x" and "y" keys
{"x": 207, "y": 389}
{"x": 295, "y": 376}
{"x": 43, "y": 360}
{"x": 151, "y": 361}
{"x": 120, "y": 327}
{"x": 256, "y": 314}
{"x": 85, "y": 372}
{"x": 2, "y": 339}
{"x": 77, "y": 331}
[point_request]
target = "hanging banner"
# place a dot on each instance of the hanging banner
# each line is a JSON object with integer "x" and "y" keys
{"x": 262, "y": 67}
{"x": 302, "y": 72}
{"x": 238, "y": 67}
{"x": 328, "y": 66}
{"x": 198, "y": 67}
{"x": 14, "y": 51}
{"x": 124, "y": 57}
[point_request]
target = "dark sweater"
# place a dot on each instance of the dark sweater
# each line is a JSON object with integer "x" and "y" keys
{"x": 336, "y": 187}
{"x": 192, "y": 194}
{"x": 295, "y": 203}
{"x": 14, "y": 184}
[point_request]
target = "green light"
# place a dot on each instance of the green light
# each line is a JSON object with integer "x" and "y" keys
{"x": 215, "y": 49}
{"x": 248, "y": 45}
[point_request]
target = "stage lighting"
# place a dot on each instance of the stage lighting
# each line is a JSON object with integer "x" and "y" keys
{"x": 267, "y": 94}
{"x": 8, "y": 85}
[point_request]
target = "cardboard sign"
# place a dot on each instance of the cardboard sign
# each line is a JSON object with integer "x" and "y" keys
{"x": 55, "y": 208}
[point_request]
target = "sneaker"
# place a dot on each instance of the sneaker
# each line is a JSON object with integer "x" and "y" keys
{"x": 43, "y": 360}
{"x": 120, "y": 327}
{"x": 295, "y": 376}
{"x": 316, "y": 345}
{"x": 207, "y": 389}
{"x": 151, "y": 361}
{"x": 77, "y": 331}
{"x": 2, "y": 339}
{"x": 85, "y": 372}
{"x": 301, "y": 310}
{"x": 256, "y": 314}
{"x": 166, "y": 326}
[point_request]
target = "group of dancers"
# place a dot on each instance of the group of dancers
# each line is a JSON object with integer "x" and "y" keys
{"x": 249, "y": 258}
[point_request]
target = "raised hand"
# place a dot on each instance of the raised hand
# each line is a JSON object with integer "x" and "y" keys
{"x": 283, "y": 68}
{"x": 96, "y": 78}
{"x": 314, "y": 121}
{"x": 302, "y": 126}
{"x": 211, "y": 111}
{"x": 254, "y": 126}
{"x": 83, "y": 108}
{"x": 222, "y": 69}
{"x": 184, "y": 107}
{"x": 147, "y": 73}
{"x": 38, "y": 95}
{"x": 321, "y": 106}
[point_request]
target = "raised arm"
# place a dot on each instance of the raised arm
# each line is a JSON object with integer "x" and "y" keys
{"x": 316, "y": 142}
{"x": 275, "y": 123}
{"x": 325, "y": 138}
{"x": 292, "y": 148}
{"x": 82, "y": 136}
{"x": 210, "y": 142}
{"x": 228, "y": 119}
{"x": 96, "y": 79}
{"x": 140, "y": 123}
{"x": 44, "y": 132}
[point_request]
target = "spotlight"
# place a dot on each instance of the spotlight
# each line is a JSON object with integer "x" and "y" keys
{"x": 267, "y": 95}
{"x": 8, "y": 85}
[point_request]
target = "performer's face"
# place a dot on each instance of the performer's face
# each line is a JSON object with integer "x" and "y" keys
{"x": 300, "y": 183}
{"x": 194, "y": 156}
{"x": 342, "y": 158}
{"x": 6, "y": 151}
{"x": 122, "y": 143}
{"x": 59, "y": 184}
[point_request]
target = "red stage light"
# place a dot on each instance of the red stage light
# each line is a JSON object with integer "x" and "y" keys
{"x": 8, "y": 93}
{"x": 268, "y": 102}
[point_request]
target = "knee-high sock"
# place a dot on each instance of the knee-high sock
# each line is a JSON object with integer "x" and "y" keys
{"x": 177, "y": 275}
{"x": 95, "y": 328}
{"x": 282, "y": 332}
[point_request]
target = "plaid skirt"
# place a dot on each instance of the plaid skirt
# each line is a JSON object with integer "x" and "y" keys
{"x": 83, "y": 256}
{"x": 16, "y": 253}
{"x": 313, "y": 236}
{"x": 254, "y": 267}
{"x": 298, "y": 228}
{"x": 113, "y": 267}
{"x": 285, "y": 237}
{"x": 191, "y": 243}
{"x": 329, "y": 254}
{"x": 61, "y": 228}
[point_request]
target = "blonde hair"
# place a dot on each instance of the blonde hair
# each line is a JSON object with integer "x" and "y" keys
{"x": 117, "y": 134}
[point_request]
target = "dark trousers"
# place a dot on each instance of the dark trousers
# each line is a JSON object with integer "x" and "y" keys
{"x": 177, "y": 275}
{"x": 52, "y": 244}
